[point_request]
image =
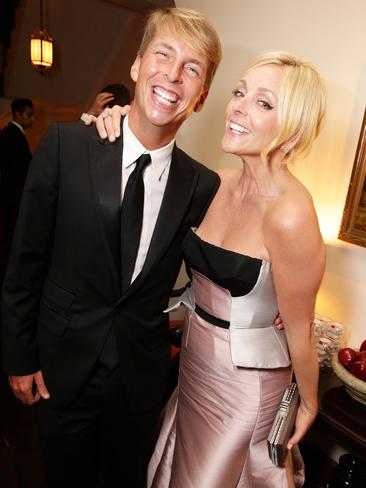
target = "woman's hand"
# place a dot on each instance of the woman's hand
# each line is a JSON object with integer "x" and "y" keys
{"x": 109, "y": 121}
{"x": 304, "y": 419}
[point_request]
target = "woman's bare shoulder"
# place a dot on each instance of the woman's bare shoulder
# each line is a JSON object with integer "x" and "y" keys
{"x": 293, "y": 210}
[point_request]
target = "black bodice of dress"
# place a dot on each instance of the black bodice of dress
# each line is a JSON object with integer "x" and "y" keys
{"x": 236, "y": 272}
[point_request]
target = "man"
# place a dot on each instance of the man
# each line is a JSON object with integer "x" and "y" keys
{"x": 110, "y": 95}
{"x": 15, "y": 157}
{"x": 83, "y": 338}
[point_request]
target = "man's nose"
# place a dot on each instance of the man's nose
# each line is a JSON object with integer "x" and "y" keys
{"x": 173, "y": 72}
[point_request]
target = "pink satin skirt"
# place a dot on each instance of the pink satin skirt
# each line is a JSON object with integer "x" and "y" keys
{"x": 216, "y": 423}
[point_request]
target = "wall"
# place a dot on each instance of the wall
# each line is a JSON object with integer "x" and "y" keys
{"x": 332, "y": 35}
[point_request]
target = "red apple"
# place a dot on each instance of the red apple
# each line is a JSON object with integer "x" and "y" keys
{"x": 361, "y": 356}
{"x": 358, "y": 369}
{"x": 363, "y": 346}
{"x": 346, "y": 356}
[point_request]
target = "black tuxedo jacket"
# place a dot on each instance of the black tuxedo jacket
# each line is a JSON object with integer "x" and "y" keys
{"x": 61, "y": 293}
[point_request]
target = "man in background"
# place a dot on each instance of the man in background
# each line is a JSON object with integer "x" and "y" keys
{"x": 110, "y": 95}
{"x": 15, "y": 157}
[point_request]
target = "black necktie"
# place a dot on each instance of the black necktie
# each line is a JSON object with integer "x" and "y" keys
{"x": 131, "y": 220}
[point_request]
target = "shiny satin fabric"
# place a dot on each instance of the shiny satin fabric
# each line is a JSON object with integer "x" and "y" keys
{"x": 252, "y": 333}
{"x": 251, "y": 316}
{"x": 216, "y": 423}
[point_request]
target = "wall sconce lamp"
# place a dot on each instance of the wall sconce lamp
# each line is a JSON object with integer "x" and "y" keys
{"x": 41, "y": 46}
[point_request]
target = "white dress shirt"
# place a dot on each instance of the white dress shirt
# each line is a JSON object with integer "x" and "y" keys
{"x": 155, "y": 177}
{"x": 18, "y": 125}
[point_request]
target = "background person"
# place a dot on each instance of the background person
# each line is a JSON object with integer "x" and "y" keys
{"x": 110, "y": 95}
{"x": 15, "y": 157}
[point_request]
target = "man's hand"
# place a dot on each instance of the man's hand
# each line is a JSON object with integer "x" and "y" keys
{"x": 30, "y": 388}
{"x": 100, "y": 101}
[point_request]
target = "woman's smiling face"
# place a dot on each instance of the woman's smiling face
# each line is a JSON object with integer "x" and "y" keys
{"x": 252, "y": 112}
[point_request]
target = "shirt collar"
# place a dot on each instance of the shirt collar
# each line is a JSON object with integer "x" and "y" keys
{"x": 18, "y": 125}
{"x": 133, "y": 149}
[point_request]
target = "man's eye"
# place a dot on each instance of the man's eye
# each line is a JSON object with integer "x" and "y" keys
{"x": 161, "y": 53}
{"x": 237, "y": 93}
{"x": 265, "y": 105}
{"x": 194, "y": 71}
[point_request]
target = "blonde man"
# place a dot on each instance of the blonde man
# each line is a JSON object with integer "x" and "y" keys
{"x": 84, "y": 332}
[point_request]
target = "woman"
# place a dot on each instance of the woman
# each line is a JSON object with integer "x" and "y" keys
{"x": 257, "y": 251}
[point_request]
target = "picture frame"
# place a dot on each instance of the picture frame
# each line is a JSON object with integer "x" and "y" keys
{"x": 353, "y": 225}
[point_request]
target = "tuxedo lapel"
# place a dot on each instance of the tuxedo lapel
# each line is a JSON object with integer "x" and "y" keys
{"x": 105, "y": 169}
{"x": 177, "y": 196}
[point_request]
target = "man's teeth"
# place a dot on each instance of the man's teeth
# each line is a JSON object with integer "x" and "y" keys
{"x": 165, "y": 97}
{"x": 238, "y": 128}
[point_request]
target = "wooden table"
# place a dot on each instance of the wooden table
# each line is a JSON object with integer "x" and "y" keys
{"x": 341, "y": 415}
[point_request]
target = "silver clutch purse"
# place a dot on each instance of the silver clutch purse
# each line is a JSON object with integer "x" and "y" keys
{"x": 283, "y": 425}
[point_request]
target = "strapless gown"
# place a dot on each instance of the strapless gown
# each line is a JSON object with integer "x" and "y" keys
{"x": 217, "y": 421}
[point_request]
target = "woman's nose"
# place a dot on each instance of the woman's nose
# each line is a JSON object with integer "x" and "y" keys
{"x": 241, "y": 105}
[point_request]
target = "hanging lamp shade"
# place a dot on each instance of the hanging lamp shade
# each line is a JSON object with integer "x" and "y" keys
{"x": 41, "y": 45}
{"x": 41, "y": 50}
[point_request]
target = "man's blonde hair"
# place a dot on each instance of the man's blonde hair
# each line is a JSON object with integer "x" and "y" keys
{"x": 301, "y": 104}
{"x": 194, "y": 28}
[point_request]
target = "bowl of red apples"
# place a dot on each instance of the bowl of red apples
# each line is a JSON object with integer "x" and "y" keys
{"x": 350, "y": 366}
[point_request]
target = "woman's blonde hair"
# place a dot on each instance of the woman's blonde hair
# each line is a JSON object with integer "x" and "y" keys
{"x": 194, "y": 28}
{"x": 301, "y": 104}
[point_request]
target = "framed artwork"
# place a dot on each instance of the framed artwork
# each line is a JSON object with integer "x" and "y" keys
{"x": 353, "y": 226}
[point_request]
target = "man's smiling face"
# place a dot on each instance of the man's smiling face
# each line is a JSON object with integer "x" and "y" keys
{"x": 170, "y": 78}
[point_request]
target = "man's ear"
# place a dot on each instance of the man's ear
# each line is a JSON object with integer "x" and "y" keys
{"x": 135, "y": 69}
{"x": 201, "y": 101}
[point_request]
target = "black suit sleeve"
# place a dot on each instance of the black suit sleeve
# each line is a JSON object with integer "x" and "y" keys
{"x": 214, "y": 186}
{"x": 29, "y": 259}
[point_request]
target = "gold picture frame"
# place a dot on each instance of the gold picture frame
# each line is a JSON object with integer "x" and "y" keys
{"x": 353, "y": 225}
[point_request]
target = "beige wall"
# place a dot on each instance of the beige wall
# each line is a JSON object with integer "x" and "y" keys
{"x": 331, "y": 34}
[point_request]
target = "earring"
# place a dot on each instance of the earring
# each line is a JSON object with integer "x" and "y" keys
{"x": 287, "y": 146}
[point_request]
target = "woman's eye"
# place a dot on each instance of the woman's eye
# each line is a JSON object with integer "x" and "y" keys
{"x": 237, "y": 93}
{"x": 265, "y": 105}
